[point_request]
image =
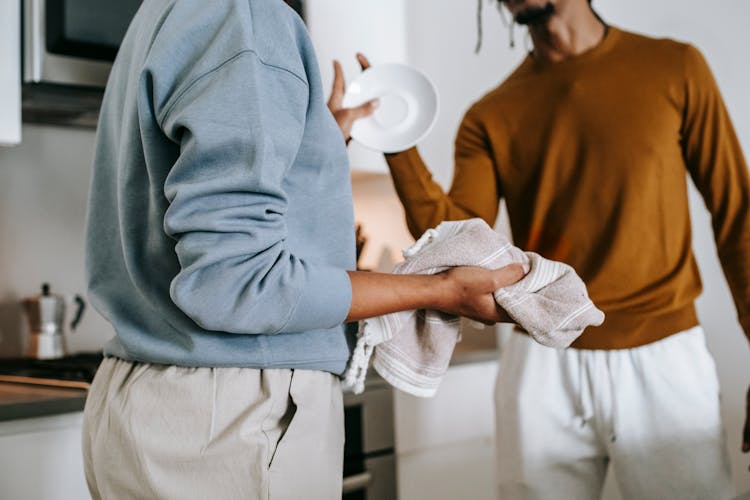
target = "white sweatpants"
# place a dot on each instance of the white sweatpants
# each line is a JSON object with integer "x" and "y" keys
{"x": 652, "y": 412}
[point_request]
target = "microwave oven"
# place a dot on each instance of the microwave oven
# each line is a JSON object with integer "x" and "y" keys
{"x": 73, "y": 42}
{"x": 68, "y": 50}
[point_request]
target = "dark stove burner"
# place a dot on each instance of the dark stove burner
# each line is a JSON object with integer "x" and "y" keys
{"x": 74, "y": 370}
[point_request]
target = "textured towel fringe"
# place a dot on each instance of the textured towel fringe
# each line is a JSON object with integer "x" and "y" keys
{"x": 355, "y": 375}
{"x": 422, "y": 242}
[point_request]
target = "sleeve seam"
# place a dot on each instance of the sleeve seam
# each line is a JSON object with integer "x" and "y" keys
{"x": 213, "y": 70}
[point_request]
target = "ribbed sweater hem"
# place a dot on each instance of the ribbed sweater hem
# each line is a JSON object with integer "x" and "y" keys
{"x": 626, "y": 330}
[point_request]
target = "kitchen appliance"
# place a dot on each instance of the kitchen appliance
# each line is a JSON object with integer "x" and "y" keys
{"x": 369, "y": 450}
{"x": 73, "y": 42}
{"x": 73, "y": 371}
{"x": 68, "y": 50}
{"x": 46, "y": 316}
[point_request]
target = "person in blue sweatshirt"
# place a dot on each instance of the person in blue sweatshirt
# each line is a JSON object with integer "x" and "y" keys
{"x": 220, "y": 246}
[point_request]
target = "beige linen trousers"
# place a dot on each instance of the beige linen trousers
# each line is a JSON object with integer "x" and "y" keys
{"x": 168, "y": 432}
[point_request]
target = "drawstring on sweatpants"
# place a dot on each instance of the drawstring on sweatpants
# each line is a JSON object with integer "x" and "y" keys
{"x": 212, "y": 424}
{"x": 613, "y": 402}
{"x": 584, "y": 411}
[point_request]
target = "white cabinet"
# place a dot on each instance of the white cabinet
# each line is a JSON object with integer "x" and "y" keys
{"x": 445, "y": 445}
{"x": 10, "y": 72}
{"x": 449, "y": 472}
{"x": 40, "y": 458}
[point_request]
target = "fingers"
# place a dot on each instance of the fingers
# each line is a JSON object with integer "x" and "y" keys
{"x": 337, "y": 93}
{"x": 492, "y": 314}
{"x": 498, "y": 316}
{"x": 339, "y": 84}
{"x": 364, "y": 63}
{"x": 345, "y": 118}
{"x": 363, "y": 110}
{"x": 508, "y": 275}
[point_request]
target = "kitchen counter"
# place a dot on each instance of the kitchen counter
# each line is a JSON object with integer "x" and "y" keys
{"x": 19, "y": 401}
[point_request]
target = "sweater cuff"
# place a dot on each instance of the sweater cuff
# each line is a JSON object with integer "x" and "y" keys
{"x": 325, "y": 300}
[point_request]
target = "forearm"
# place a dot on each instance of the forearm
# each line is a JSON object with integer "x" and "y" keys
{"x": 376, "y": 294}
{"x": 461, "y": 291}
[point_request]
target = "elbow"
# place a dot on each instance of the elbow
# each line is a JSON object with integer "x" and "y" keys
{"x": 198, "y": 308}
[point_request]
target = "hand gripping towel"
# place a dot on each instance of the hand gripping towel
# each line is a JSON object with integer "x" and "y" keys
{"x": 411, "y": 350}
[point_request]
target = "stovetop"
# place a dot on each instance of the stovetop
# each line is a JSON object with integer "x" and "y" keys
{"x": 76, "y": 370}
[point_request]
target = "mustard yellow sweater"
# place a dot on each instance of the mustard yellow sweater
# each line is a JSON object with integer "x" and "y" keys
{"x": 592, "y": 156}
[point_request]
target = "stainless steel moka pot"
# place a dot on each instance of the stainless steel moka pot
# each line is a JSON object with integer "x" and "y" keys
{"x": 46, "y": 316}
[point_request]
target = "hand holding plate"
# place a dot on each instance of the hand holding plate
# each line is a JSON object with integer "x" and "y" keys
{"x": 345, "y": 117}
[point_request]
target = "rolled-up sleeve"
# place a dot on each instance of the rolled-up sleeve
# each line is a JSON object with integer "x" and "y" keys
{"x": 238, "y": 129}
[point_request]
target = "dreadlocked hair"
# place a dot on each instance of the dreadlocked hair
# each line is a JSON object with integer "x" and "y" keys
{"x": 480, "y": 28}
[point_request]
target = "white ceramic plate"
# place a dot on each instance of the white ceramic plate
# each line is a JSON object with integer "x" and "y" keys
{"x": 407, "y": 111}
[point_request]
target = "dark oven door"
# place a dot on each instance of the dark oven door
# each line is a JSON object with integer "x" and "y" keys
{"x": 74, "y": 41}
{"x": 369, "y": 454}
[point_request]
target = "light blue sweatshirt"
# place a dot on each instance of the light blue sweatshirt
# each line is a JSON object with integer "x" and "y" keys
{"x": 220, "y": 219}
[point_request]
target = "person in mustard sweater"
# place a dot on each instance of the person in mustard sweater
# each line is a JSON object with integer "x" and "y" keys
{"x": 590, "y": 142}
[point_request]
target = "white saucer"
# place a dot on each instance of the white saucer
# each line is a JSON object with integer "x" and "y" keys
{"x": 407, "y": 111}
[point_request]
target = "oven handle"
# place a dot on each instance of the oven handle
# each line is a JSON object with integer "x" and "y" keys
{"x": 357, "y": 482}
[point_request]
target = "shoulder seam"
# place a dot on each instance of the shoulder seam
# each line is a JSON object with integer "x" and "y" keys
{"x": 200, "y": 77}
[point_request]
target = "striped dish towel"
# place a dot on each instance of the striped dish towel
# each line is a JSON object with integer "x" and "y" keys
{"x": 411, "y": 350}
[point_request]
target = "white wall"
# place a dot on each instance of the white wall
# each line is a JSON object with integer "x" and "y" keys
{"x": 341, "y": 29}
{"x": 43, "y": 190}
{"x": 442, "y": 37}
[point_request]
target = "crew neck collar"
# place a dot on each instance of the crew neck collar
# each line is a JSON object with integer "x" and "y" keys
{"x": 611, "y": 35}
